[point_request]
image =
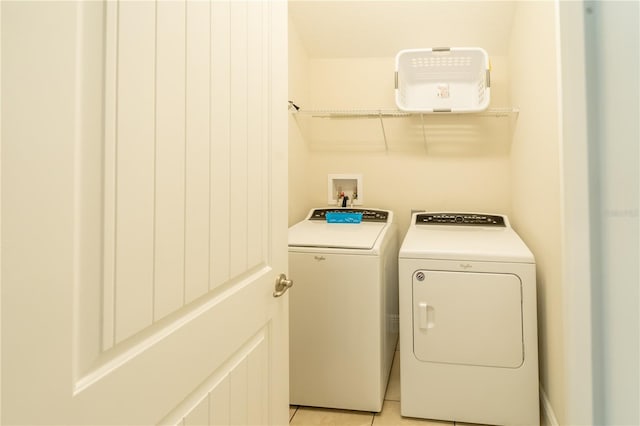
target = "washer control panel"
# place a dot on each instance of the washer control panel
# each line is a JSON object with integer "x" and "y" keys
{"x": 468, "y": 219}
{"x": 367, "y": 215}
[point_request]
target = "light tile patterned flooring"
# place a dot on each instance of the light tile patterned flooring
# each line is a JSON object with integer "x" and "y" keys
{"x": 390, "y": 414}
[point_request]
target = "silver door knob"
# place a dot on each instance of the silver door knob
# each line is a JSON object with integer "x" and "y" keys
{"x": 282, "y": 285}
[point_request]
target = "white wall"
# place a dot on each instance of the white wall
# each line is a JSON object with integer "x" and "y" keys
{"x": 299, "y": 194}
{"x": 464, "y": 174}
{"x": 536, "y": 184}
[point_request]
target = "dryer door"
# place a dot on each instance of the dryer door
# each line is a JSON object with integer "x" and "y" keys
{"x": 468, "y": 318}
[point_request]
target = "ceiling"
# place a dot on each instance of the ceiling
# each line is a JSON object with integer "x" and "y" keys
{"x": 372, "y": 28}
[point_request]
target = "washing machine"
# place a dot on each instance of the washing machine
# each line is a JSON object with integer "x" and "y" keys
{"x": 343, "y": 309}
{"x": 468, "y": 332}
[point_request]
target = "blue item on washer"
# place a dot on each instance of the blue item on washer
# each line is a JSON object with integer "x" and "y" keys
{"x": 343, "y": 217}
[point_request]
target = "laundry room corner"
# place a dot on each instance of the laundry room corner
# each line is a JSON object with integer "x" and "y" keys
{"x": 299, "y": 189}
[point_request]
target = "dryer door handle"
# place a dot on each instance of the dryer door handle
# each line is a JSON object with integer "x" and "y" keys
{"x": 425, "y": 316}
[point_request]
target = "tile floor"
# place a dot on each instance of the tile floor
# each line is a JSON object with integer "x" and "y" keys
{"x": 390, "y": 414}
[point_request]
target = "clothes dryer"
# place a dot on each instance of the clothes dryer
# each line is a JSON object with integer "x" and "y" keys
{"x": 343, "y": 309}
{"x": 468, "y": 332}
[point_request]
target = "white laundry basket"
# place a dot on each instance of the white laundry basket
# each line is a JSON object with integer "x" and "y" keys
{"x": 443, "y": 79}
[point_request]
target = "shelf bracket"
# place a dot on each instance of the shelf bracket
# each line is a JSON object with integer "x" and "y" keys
{"x": 384, "y": 134}
{"x": 424, "y": 134}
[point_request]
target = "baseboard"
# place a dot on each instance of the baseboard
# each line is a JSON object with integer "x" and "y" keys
{"x": 548, "y": 417}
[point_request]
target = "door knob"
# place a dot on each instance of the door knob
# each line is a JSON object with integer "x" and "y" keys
{"x": 282, "y": 285}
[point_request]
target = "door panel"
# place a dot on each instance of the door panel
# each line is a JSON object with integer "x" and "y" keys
{"x": 170, "y": 156}
{"x": 468, "y": 318}
{"x": 238, "y": 136}
{"x": 236, "y": 391}
{"x": 133, "y": 208}
{"x": 197, "y": 149}
{"x": 144, "y": 212}
{"x": 220, "y": 235}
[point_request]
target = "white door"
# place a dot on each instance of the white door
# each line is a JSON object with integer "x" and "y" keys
{"x": 144, "y": 212}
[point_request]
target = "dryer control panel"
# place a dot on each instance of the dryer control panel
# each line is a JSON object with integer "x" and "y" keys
{"x": 367, "y": 215}
{"x": 469, "y": 219}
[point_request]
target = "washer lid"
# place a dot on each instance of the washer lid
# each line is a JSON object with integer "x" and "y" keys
{"x": 316, "y": 233}
{"x": 464, "y": 243}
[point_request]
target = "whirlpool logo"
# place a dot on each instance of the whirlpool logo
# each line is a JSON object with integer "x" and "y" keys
{"x": 465, "y": 266}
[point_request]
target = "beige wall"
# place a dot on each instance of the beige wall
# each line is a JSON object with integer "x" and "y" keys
{"x": 536, "y": 181}
{"x": 298, "y": 152}
{"x": 461, "y": 173}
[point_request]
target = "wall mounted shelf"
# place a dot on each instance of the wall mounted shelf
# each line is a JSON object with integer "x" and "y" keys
{"x": 390, "y": 113}
{"x": 393, "y": 129}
